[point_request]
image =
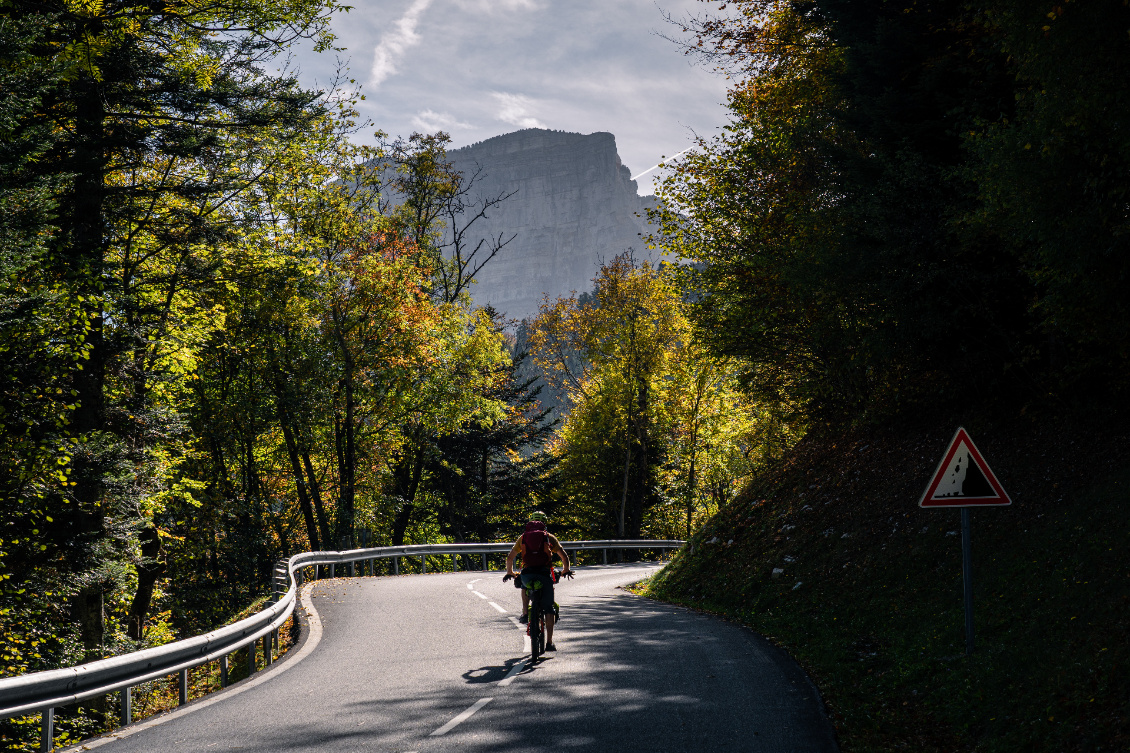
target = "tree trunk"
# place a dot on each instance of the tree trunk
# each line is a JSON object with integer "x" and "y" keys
{"x": 642, "y": 490}
{"x": 407, "y": 484}
{"x": 627, "y": 465}
{"x": 349, "y": 467}
{"x": 149, "y": 571}
{"x": 316, "y": 495}
{"x": 690, "y": 493}
{"x": 299, "y": 480}
{"x": 87, "y": 254}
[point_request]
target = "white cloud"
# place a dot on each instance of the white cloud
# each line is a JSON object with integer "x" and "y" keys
{"x": 494, "y": 6}
{"x": 430, "y": 121}
{"x": 395, "y": 42}
{"x": 515, "y": 110}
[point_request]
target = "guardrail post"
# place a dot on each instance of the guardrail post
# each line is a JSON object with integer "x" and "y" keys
{"x": 605, "y": 555}
{"x": 281, "y": 579}
{"x": 424, "y": 563}
{"x": 251, "y": 658}
{"x": 47, "y": 731}
{"x": 332, "y": 569}
{"x": 396, "y": 566}
{"x": 182, "y": 694}
{"x": 126, "y": 694}
{"x": 484, "y": 562}
{"x": 224, "y": 671}
{"x": 352, "y": 569}
{"x": 268, "y": 653}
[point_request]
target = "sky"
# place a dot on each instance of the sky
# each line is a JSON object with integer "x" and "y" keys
{"x": 480, "y": 68}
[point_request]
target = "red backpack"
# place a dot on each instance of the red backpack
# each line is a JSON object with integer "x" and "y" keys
{"x": 535, "y": 546}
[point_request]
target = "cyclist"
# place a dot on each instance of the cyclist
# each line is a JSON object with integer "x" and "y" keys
{"x": 537, "y": 522}
{"x": 537, "y": 547}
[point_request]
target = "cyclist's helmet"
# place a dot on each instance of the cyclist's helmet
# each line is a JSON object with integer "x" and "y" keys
{"x": 537, "y": 521}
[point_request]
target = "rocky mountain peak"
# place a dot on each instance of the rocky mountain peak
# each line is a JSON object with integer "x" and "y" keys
{"x": 575, "y": 207}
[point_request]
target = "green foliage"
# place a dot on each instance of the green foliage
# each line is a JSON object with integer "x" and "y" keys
{"x": 658, "y": 435}
{"x": 487, "y": 473}
{"x": 1052, "y": 177}
{"x": 912, "y": 204}
{"x": 207, "y": 309}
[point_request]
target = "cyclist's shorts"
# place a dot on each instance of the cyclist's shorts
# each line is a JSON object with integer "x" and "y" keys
{"x": 544, "y": 592}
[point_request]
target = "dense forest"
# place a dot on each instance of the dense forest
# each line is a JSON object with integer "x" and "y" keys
{"x": 228, "y": 333}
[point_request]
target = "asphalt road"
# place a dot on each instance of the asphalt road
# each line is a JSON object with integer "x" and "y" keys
{"x": 434, "y": 663}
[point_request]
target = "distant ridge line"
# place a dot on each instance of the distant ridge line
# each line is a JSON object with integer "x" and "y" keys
{"x": 531, "y": 131}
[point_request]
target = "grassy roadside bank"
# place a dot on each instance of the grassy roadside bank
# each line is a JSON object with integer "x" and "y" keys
{"x": 868, "y": 595}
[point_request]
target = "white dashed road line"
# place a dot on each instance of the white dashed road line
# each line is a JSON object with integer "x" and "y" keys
{"x": 462, "y": 717}
{"x": 500, "y": 609}
{"x": 480, "y": 595}
{"x": 514, "y": 670}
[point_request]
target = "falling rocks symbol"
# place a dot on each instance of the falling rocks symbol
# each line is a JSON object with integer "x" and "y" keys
{"x": 963, "y": 478}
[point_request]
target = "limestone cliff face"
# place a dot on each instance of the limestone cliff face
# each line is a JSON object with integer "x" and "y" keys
{"x": 576, "y": 206}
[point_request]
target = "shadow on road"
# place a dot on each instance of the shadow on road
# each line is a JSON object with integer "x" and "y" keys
{"x": 491, "y": 674}
{"x": 630, "y": 675}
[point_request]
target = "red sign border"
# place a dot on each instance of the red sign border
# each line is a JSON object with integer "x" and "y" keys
{"x": 961, "y": 435}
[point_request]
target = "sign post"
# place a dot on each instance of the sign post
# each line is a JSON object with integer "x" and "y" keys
{"x": 967, "y": 578}
{"x": 963, "y": 479}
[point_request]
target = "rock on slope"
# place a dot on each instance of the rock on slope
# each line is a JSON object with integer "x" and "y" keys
{"x": 576, "y": 206}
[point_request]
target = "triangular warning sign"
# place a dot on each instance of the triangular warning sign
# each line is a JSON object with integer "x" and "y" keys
{"x": 963, "y": 478}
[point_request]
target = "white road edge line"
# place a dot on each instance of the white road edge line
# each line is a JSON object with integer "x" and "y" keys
{"x": 514, "y": 670}
{"x": 497, "y": 607}
{"x": 471, "y": 584}
{"x": 261, "y": 677}
{"x": 461, "y": 717}
{"x": 480, "y": 595}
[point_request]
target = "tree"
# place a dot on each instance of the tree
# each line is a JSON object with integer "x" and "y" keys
{"x": 151, "y": 113}
{"x": 608, "y": 352}
{"x": 441, "y": 208}
{"x": 1051, "y": 172}
{"x": 42, "y": 345}
{"x": 488, "y": 471}
{"x": 829, "y": 220}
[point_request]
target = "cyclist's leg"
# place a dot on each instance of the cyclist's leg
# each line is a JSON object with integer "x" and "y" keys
{"x": 525, "y": 600}
{"x": 529, "y": 581}
{"x": 532, "y": 582}
{"x": 542, "y": 585}
{"x": 545, "y": 593}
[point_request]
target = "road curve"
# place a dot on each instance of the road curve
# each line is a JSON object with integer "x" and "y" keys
{"x": 434, "y": 663}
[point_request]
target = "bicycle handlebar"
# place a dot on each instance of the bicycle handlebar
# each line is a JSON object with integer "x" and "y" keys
{"x": 565, "y": 573}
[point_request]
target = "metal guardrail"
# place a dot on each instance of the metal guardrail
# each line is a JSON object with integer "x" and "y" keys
{"x": 45, "y": 691}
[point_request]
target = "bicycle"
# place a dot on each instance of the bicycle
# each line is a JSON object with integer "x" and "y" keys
{"x": 536, "y": 624}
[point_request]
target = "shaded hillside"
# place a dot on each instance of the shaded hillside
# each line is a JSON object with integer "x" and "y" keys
{"x": 867, "y": 592}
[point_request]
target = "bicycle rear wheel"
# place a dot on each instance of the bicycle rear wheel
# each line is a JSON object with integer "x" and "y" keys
{"x": 537, "y": 638}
